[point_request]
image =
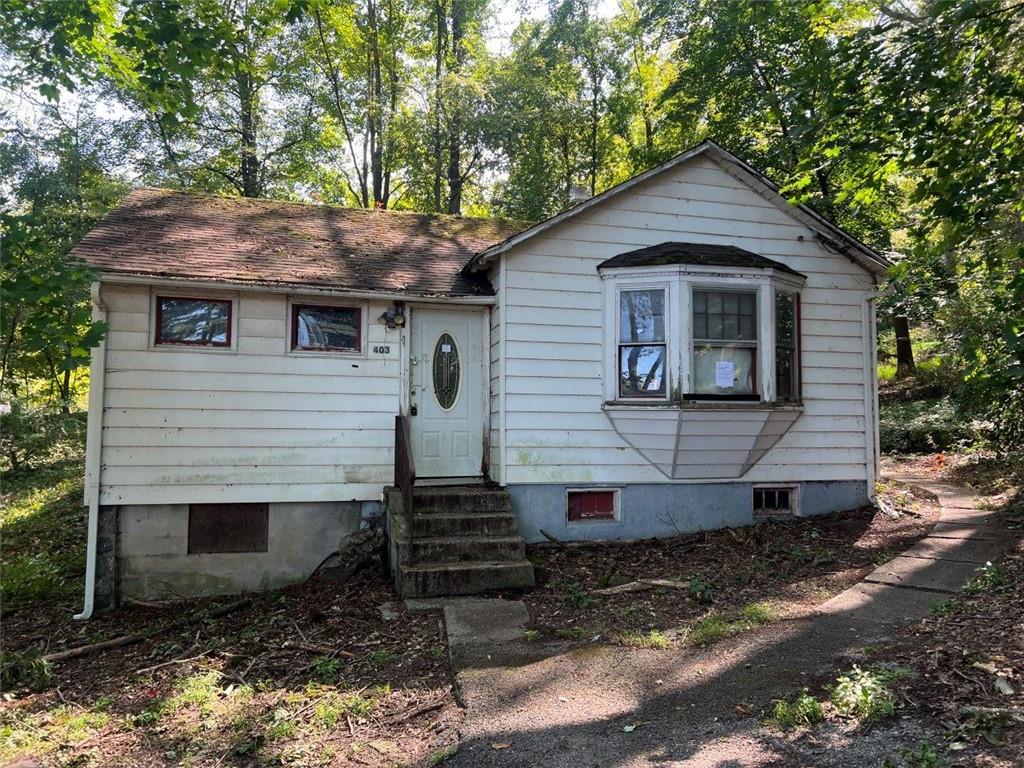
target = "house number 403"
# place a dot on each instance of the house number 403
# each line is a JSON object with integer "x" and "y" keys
{"x": 382, "y": 349}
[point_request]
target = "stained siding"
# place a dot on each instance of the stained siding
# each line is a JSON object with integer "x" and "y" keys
{"x": 252, "y": 424}
{"x": 554, "y": 362}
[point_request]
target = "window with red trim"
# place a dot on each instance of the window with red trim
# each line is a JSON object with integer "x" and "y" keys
{"x": 326, "y": 328}
{"x": 591, "y": 505}
{"x": 193, "y": 321}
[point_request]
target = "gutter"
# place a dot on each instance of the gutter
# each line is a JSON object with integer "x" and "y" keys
{"x": 871, "y": 446}
{"x": 93, "y": 454}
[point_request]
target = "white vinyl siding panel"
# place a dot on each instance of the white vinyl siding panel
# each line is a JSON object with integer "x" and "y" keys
{"x": 257, "y": 423}
{"x": 554, "y": 362}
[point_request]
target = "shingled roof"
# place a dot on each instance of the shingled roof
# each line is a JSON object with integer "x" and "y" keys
{"x": 702, "y": 254}
{"x": 161, "y": 233}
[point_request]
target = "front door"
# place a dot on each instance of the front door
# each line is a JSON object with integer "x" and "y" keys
{"x": 447, "y": 392}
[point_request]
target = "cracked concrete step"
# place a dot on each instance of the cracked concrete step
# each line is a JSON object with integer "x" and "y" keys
{"x": 431, "y": 579}
{"x": 439, "y": 499}
{"x": 464, "y": 524}
{"x": 961, "y": 550}
{"x": 922, "y": 573}
{"x": 458, "y": 549}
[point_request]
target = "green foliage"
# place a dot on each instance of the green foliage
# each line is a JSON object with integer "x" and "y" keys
{"x": 29, "y": 436}
{"x": 701, "y": 589}
{"x": 718, "y": 626}
{"x": 803, "y": 710}
{"x": 924, "y": 756}
{"x": 326, "y": 670}
{"x": 443, "y": 755}
{"x": 575, "y": 596}
{"x": 866, "y": 693}
{"x": 987, "y": 578}
{"x": 921, "y": 426}
{"x": 652, "y": 640}
{"x": 27, "y": 669}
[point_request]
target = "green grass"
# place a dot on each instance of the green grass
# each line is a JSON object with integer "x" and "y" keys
{"x": 42, "y": 520}
{"x": 23, "y": 733}
{"x": 652, "y": 640}
{"x": 718, "y": 626}
{"x": 803, "y": 710}
{"x": 444, "y": 754}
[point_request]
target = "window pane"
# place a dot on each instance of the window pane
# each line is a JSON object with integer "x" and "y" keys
{"x": 642, "y": 371}
{"x": 723, "y": 370}
{"x": 194, "y": 321}
{"x": 785, "y": 319}
{"x": 327, "y": 328}
{"x": 642, "y": 316}
{"x": 785, "y": 374}
{"x": 724, "y": 315}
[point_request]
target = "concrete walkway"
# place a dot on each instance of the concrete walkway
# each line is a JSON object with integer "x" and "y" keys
{"x": 530, "y": 704}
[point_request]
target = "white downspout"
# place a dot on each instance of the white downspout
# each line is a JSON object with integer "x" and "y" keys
{"x": 871, "y": 446}
{"x": 93, "y": 451}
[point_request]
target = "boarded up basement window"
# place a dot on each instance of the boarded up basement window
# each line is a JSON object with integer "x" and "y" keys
{"x": 227, "y": 528}
{"x": 772, "y": 502}
{"x": 591, "y": 505}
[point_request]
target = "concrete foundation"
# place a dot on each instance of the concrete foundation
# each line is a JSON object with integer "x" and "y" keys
{"x": 667, "y": 509}
{"x": 153, "y": 560}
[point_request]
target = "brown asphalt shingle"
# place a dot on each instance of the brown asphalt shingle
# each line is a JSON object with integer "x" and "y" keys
{"x": 161, "y": 233}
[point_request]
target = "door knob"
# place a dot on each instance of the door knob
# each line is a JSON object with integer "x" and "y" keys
{"x": 413, "y": 410}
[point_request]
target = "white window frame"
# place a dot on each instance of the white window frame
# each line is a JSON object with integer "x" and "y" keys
{"x": 324, "y": 301}
{"x": 616, "y": 506}
{"x": 679, "y": 282}
{"x": 669, "y": 332}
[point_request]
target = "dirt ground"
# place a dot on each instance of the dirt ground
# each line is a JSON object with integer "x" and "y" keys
{"x": 311, "y": 675}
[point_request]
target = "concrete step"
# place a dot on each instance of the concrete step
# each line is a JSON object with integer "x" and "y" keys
{"x": 460, "y": 549}
{"x": 443, "y": 524}
{"x": 434, "y": 579}
{"x": 431, "y": 500}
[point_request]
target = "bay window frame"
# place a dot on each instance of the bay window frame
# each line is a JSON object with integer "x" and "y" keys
{"x": 679, "y": 283}
{"x": 669, "y": 324}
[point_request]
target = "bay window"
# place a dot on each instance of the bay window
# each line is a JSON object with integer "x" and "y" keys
{"x": 692, "y": 324}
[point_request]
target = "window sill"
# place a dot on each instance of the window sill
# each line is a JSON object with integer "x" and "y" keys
{"x": 704, "y": 405}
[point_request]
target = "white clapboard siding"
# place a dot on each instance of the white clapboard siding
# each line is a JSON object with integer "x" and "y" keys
{"x": 556, "y": 430}
{"x": 253, "y": 423}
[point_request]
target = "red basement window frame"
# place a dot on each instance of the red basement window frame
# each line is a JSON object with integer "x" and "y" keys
{"x": 216, "y": 326}
{"x": 586, "y": 505}
{"x": 324, "y": 331}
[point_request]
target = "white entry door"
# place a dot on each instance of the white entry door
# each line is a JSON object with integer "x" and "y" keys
{"x": 447, "y": 392}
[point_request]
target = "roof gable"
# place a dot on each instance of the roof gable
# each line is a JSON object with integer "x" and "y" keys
{"x": 833, "y": 237}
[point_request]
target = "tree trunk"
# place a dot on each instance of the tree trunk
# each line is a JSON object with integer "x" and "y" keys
{"x": 440, "y": 49}
{"x": 65, "y": 392}
{"x": 376, "y": 108}
{"x": 905, "y": 366}
{"x": 249, "y": 173}
{"x": 455, "y": 122}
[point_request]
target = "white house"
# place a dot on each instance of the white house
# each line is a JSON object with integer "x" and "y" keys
{"x": 684, "y": 351}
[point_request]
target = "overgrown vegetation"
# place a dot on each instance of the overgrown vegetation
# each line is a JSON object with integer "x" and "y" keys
{"x": 802, "y": 710}
{"x": 866, "y": 693}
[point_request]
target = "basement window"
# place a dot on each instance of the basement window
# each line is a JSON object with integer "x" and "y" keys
{"x": 228, "y": 528}
{"x": 593, "y": 505}
{"x": 774, "y": 501}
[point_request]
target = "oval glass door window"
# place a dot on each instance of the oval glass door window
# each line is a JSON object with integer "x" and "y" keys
{"x": 447, "y": 371}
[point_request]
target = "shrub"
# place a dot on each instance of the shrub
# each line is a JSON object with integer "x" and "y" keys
{"x": 27, "y": 669}
{"x": 29, "y": 435}
{"x": 803, "y": 710}
{"x": 988, "y": 578}
{"x": 31, "y": 579}
{"x": 921, "y": 426}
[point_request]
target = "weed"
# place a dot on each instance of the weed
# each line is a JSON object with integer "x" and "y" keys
{"x": 988, "y": 578}
{"x": 925, "y": 756}
{"x": 28, "y": 669}
{"x": 326, "y": 669}
{"x": 382, "y": 691}
{"x": 150, "y": 714}
{"x": 870, "y": 650}
{"x": 866, "y": 693}
{"x": 357, "y": 705}
{"x": 443, "y": 755}
{"x": 531, "y": 635}
{"x": 701, "y": 589}
{"x": 199, "y": 690}
{"x": 383, "y": 658}
{"x": 654, "y": 639}
{"x": 282, "y": 726}
{"x": 32, "y": 579}
{"x": 882, "y": 556}
{"x": 572, "y": 633}
{"x": 437, "y": 651}
{"x": 942, "y": 607}
{"x": 575, "y": 597}
{"x": 803, "y": 710}
{"x": 716, "y": 627}
{"x": 327, "y": 712}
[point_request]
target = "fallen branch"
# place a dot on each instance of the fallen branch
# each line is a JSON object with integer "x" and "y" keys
{"x": 421, "y": 709}
{"x": 641, "y": 585}
{"x": 553, "y": 539}
{"x": 138, "y": 637}
{"x": 319, "y": 650}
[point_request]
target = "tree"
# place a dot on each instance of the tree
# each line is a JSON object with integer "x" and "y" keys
{"x": 60, "y": 190}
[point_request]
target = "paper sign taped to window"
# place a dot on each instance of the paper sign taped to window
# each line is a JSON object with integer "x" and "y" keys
{"x": 724, "y": 373}
{"x": 446, "y": 347}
